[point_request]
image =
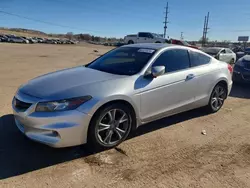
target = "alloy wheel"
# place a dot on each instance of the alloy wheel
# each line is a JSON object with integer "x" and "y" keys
{"x": 113, "y": 127}
{"x": 218, "y": 97}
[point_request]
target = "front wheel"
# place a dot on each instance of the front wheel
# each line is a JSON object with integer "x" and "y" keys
{"x": 110, "y": 126}
{"x": 217, "y": 98}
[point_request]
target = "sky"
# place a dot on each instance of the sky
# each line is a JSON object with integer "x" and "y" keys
{"x": 228, "y": 18}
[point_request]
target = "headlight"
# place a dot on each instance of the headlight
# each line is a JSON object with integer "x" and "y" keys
{"x": 61, "y": 105}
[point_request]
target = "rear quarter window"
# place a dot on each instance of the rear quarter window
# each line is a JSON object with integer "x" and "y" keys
{"x": 198, "y": 59}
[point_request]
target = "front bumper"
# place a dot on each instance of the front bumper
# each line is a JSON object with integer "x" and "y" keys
{"x": 56, "y": 129}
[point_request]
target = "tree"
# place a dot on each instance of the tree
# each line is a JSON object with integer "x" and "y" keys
{"x": 201, "y": 40}
{"x": 97, "y": 39}
{"x": 86, "y": 37}
{"x": 69, "y": 35}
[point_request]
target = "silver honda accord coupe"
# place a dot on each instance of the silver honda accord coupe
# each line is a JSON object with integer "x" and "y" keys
{"x": 101, "y": 102}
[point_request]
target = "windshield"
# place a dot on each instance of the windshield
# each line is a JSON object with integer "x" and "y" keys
{"x": 211, "y": 51}
{"x": 123, "y": 61}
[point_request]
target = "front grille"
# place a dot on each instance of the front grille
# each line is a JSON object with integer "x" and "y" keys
{"x": 21, "y": 105}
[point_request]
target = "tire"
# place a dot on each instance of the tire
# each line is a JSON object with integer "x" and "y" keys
{"x": 130, "y": 42}
{"x": 105, "y": 132}
{"x": 217, "y": 98}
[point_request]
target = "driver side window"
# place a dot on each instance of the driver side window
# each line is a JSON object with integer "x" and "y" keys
{"x": 223, "y": 51}
{"x": 173, "y": 60}
{"x": 145, "y": 35}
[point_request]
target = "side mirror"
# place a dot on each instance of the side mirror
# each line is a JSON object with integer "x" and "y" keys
{"x": 157, "y": 71}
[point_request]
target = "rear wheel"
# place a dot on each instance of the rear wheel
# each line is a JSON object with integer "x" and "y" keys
{"x": 217, "y": 98}
{"x": 110, "y": 126}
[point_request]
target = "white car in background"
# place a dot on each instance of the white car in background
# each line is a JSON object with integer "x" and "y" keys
{"x": 15, "y": 39}
{"x": 144, "y": 37}
{"x": 222, "y": 54}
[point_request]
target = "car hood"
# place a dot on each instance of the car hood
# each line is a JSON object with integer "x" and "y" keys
{"x": 65, "y": 83}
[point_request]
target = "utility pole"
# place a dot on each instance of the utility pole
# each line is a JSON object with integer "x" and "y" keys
{"x": 205, "y": 30}
{"x": 166, "y": 21}
{"x": 182, "y": 36}
{"x": 206, "y": 27}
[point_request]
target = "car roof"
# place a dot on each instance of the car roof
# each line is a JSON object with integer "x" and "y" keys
{"x": 154, "y": 46}
{"x": 218, "y": 48}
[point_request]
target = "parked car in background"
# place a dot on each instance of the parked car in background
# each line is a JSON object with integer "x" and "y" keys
{"x": 247, "y": 51}
{"x": 40, "y": 40}
{"x": 241, "y": 51}
{"x": 58, "y": 41}
{"x": 100, "y": 103}
{"x": 32, "y": 40}
{"x": 3, "y": 38}
{"x": 50, "y": 41}
{"x": 16, "y": 39}
{"x": 118, "y": 44}
{"x": 182, "y": 43}
{"x": 144, "y": 37}
{"x": 26, "y": 39}
{"x": 222, "y": 54}
{"x": 241, "y": 71}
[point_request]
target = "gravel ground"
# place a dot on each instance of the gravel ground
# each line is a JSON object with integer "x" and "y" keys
{"x": 170, "y": 152}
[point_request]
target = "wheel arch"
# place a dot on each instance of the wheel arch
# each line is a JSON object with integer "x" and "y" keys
{"x": 117, "y": 99}
{"x": 131, "y": 41}
{"x": 222, "y": 81}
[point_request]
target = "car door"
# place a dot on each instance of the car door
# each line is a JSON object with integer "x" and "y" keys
{"x": 150, "y": 38}
{"x": 231, "y": 55}
{"x": 172, "y": 92}
{"x": 205, "y": 73}
{"x": 142, "y": 37}
{"x": 223, "y": 56}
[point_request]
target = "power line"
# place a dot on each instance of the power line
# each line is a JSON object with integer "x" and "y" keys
{"x": 166, "y": 21}
{"x": 107, "y": 10}
{"x": 45, "y": 22}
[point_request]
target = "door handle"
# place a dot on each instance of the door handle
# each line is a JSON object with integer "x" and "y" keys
{"x": 190, "y": 77}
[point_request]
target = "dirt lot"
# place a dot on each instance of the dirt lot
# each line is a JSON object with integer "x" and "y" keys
{"x": 171, "y": 152}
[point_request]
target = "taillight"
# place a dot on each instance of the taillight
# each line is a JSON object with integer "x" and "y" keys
{"x": 230, "y": 68}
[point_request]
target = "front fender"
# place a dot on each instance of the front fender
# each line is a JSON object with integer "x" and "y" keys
{"x": 93, "y": 105}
